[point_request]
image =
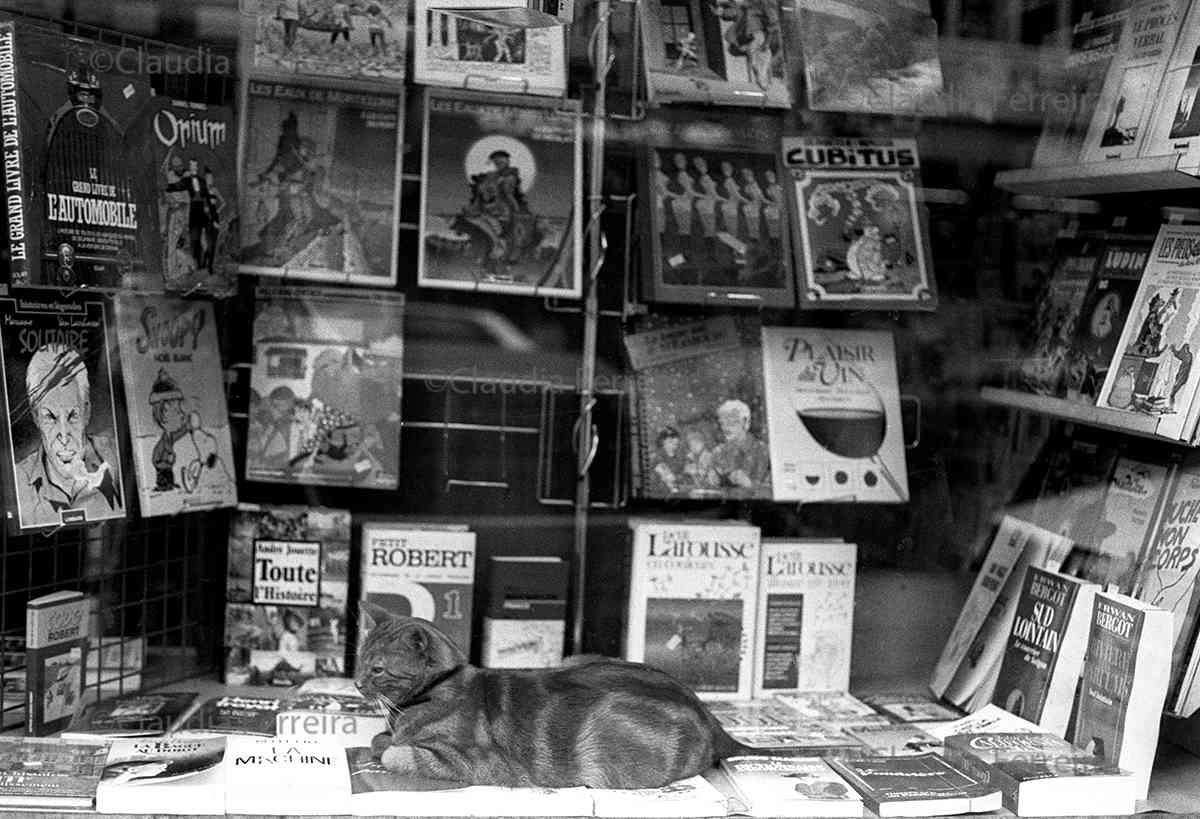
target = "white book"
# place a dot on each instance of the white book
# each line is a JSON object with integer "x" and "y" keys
{"x": 293, "y": 775}
{"x": 694, "y": 796}
{"x": 790, "y": 786}
{"x": 1175, "y": 123}
{"x": 163, "y": 775}
{"x": 691, "y": 603}
{"x": 989, "y": 719}
{"x": 804, "y": 622}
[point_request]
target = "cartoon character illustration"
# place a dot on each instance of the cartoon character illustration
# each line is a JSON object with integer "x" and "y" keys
{"x": 184, "y": 442}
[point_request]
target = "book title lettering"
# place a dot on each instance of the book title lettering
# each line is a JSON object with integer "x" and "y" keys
{"x": 395, "y": 552}
{"x": 194, "y": 129}
{"x": 182, "y": 331}
{"x": 1173, "y": 549}
{"x": 11, "y": 141}
{"x": 287, "y": 571}
{"x": 678, "y": 544}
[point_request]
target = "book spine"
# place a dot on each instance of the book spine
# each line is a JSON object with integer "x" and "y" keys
{"x": 13, "y": 173}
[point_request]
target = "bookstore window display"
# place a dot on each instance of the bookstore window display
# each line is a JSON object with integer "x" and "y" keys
{"x": 767, "y": 283}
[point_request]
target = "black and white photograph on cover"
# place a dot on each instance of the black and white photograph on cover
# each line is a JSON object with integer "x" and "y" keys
{"x": 719, "y": 228}
{"x": 698, "y": 642}
{"x": 340, "y": 39}
{"x": 1186, "y": 123}
{"x": 501, "y": 196}
{"x": 63, "y": 449}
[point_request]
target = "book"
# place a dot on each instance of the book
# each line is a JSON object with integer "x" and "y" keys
{"x": 325, "y": 387}
{"x": 860, "y": 234}
{"x": 833, "y": 412}
{"x": 1122, "y": 114}
{"x": 909, "y": 707}
{"x": 346, "y": 42}
{"x": 524, "y": 619}
{"x": 56, "y": 629}
{"x": 62, "y": 457}
{"x": 286, "y": 594}
{"x": 1133, "y": 499}
{"x": 987, "y": 720}
{"x": 320, "y": 182}
{"x": 352, "y": 721}
{"x": 699, "y": 428}
{"x": 493, "y": 45}
{"x": 920, "y": 785}
{"x": 1043, "y": 656}
{"x": 768, "y": 725}
{"x": 1123, "y": 687}
{"x": 1103, "y": 315}
{"x": 871, "y": 56}
{"x": 691, "y": 603}
{"x": 175, "y": 403}
{"x": 835, "y": 708}
{"x": 195, "y": 184}
{"x": 895, "y": 740}
{"x": 376, "y": 791}
{"x": 230, "y": 714}
{"x": 790, "y": 786}
{"x": 970, "y": 660}
{"x": 693, "y": 796}
{"x": 803, "y": 622}
{"x": 163, "y": 775}
{"x": 414, "y": 571}
{"x": 502, "y": 197}
{"x": 1174, "y": 123}
{"x": 1042, "y": 368}
{"x": 49, "y": 773}
{"x": 1151, "y": 373}
{"x": 292, "y": 775}
{"x": 1041, "y": 774}
{"x": 720, "y": 54}
{"x": 133, "y": 715}
{"x": 717, "y": 232}
{"x": 73, "y": 112}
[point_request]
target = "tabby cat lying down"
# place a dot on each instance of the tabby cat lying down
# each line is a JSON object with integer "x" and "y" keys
{"x": 597, "y": 722}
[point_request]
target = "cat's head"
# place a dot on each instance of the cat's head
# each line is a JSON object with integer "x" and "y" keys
{"x": 402, "y": 657}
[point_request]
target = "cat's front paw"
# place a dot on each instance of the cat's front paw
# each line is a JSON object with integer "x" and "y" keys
{"x": 400, "y": 759}
{"x": 380, "y": 743}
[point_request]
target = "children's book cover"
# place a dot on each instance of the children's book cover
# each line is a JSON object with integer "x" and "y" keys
{"x": 286, "y": 594}
{"x": 701, "y": 428}
{"x": 833, "y": 412}
{"x": 175, "y": 401}
{"x": 332, "y": 39}
{"x": 861, "y": 235}
{"x": 63, "y": 458}
{"x": 724, "y": 52}
{"x": 321, "y": 183}
{"x": 325, "y": 388}
{"x": 501, "y": 195}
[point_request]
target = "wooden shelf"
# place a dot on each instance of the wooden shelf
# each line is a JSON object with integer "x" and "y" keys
{"x": 1154, "y": 173}
{"x": 1124, "y": 422}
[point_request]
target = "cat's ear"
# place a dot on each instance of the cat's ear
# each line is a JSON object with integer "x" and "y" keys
{"x": 370, "y": 615}
{"x": 418, "y": 641}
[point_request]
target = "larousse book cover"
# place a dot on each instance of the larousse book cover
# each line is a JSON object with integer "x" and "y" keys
{"x": 502, "y": 196}
{"x": 175, "y": 402}
{"x": 861, "y": 240}
{"x": 321, "y": 183}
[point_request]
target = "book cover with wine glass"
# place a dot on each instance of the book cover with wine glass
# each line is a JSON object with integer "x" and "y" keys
{"x": 833, "y": 415}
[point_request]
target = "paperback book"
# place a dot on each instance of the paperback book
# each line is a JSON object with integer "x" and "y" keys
{"x": 691, "y": 603}
{"x": 133, "y": 715}
{"x": 325, "y": 387}
{"x": 286, "y": 594}
{"x": 836, "y": 708}
{"x": 990, "y": 719}
{"x": 693, "y": 796}
{"x": 55, "y": 352}
{"x": 894, "y": 740}
{"x": 1175, "y": 126}
{"x": 524, "y": 621}
{"x": 907, "y": 707}
{"x": 1133, "y": 500}
{"x": 700, "y": 426}
{"x": 175, "y": 403}
{"x": 227, "y": 715}
{"x": 56, "y": 628}
{"x": 861, "y": 239}
{"x": 49, "y": 773}
{"x": 919, "y": 785}
{"x": 292, "y": 775}
{"x": 722, "y": 53}
{"x": 164, "y": 776}
{"x": 833, "y": 412}
{"x": 502, "y": 196}
{"x": 796, "y": 786}
{"x": 321, "y": 183}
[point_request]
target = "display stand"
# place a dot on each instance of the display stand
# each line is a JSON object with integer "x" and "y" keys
{"x": 1155, "y": 173}
{"x": 1143, "y": 426}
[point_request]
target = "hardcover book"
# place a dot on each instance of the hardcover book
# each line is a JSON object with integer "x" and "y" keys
{"x": 321, "y": 183}
{"x": 717, "y": 231}
{"x": 1123, "y": 687}
{"x": 286, "y": 594}
{"x": 340, "y": 41}
{"x": 797, "y": 786}
{"x": 502, "y": 196}
{"x": 1043, "y": 656}
{"x": 49, "y": 773}
{"x": 833, "y": 411}
{"x": 164, "y": 776}
{"x": 1122, "y": 115}
{"x": 56, "y": 628}
{"x": 352, "y": 721}
{"x": 920, "y": 785}
{"x": 861, "y": 240}
{"x": 803, "y": 626}
{"x": 691, "y": 603}
{"x": 292, "y": 775}
{"x": 871, "y": 56}
{"x": 722, "y": 53}
{"x": 700, "y": 426}
{"x": 175, "y": 402}
{"x": 1151, "y": 371}
{"x": 414, "y": 571}
{"x": 1175, "y": 125}
{"x": 326, "y": 386}
{"x": 225, "y": 715}
{"x": 496, "y": 45}
{"x": 524, "y": 623}
{"x": 133, "y": 715}
{"x": 62, "y": 425}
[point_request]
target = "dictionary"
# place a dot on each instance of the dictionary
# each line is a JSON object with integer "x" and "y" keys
{"x": 56, "y": 627}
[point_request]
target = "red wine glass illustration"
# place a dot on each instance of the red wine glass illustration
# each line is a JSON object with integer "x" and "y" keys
{"x": 850, "y": 424}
